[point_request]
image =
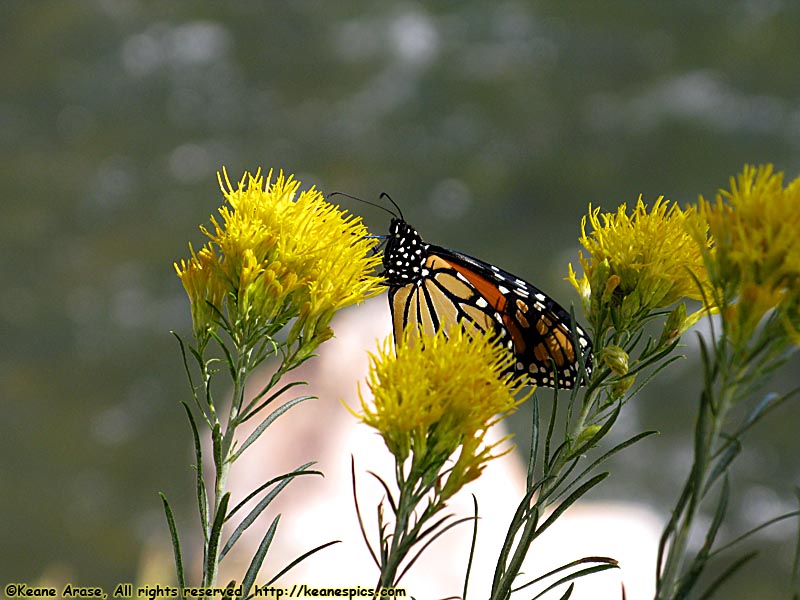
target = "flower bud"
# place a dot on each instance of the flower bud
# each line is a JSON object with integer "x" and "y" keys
{"x": 616, "y": 359}
{"x": 584, "y": 436}
{"x": 621, "y": 386}
{"x": 675, "y": 324}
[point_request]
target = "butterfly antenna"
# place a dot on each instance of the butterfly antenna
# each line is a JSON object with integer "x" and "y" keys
{"x": 389, "y": 198}
{"x": 376, "y": 205}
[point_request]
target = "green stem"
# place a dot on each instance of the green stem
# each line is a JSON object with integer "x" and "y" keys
{"x": 399, "y": 549}
{"x": 502, "y": 590}
{"x": 222, "y": 462}
{"x": 411, "y": 492}
{"x": 677, "y": 554}
{"x": 574, "y": 432}
{"x": 581, "y": 421}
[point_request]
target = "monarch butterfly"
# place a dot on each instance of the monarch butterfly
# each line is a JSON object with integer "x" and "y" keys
{"x": 434, "y": 287}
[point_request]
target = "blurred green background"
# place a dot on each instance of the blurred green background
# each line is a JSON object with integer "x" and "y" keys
{"x": 492, "y": 124}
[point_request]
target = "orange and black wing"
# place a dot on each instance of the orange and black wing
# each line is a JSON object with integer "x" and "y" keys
{"x": 434, "y": 287}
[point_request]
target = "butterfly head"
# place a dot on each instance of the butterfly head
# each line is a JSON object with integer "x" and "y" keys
{"x": 405, "y": 254}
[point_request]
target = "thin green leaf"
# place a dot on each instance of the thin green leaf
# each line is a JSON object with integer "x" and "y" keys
{"x": 250, "y": 412}
{"x": 208, "y": 374}
{"x": 568, "y": 594}
{"x": 709, "y": 367}
{"x": 650, "y": 360}
{"x": 383, "y": 536}
{"x": 301, "y": 558}
{"x": 216, "y": 447}
{"x": 267, "y": 348}
{"x": 575, "y": 575}
{"x": 549, "y": 436}
{"x": 631, "y": 344}
{"x": 705, "y": 356}
{"x": 212, "y": 561}
{"x": 719, "y": 515}
{"x": 534, "y": 441}
{"x": 689, "y": 579}
{"x": 669, "y": 528}
{"x": 701, "y": 433}
{"x": 581, "y": 561}
{"x": 267, "y": 422}
{"x": 599, "y": 376}
{"x": 199, "y": 359}
{"x": 386, "y": 489}
{"x": 522, "y": 515}
{"x": 652, "y": 375}
{"x": 186, "y": 365}
{"x": 722, "y": 463}
{"x": 763, "y": 406}
{"x": 253, "y": 515}
{"x": 358, "y": 514}
{"x": 506, "y": 570}
{"x": 562, "y": 447}
{"x": 603, "y": 458}
{"x": 258, "y": 558}
{"x": 297, "y": 472}
{"x": 176, "y": 543}
{"x": 570, "y": 500}
{"x": 198, "y": 356}
{"x": 276, "y": 376}
{"x": 755, "y": 530}
{"x": 471, "y": 546}
{"x": 295, "y": 362}
{"x": 430, "y": 541}
{"x": 769, "y": 403}
{"x": 225, "y": 324}
{"x": 546, "y": 500}
{"x": 423, "y": 533}
{"x": 202, "y": 494}
{"x": 726, "y": 574}
{"x": 228, "y": 356}
{"x": 570, "y": 408}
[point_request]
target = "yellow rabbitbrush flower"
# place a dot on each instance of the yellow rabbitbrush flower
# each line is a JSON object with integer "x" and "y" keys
{"x": 638, "y": 263}
{"x": 203, "y": 286}
{"x": 275, "y": 256}
{"x": 754, "y": 262}
{"x": 436, "y": 394}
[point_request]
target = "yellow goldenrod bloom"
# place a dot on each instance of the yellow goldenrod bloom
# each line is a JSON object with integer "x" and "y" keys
{"x": 436, "y": 394}
{"x": 754, "y": 263}
{"x": 275, "y": 255}
{"x": 202, "y": 284}
{"x": 639, "y": 263}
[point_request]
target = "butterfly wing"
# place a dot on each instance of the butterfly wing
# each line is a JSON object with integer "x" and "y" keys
{"x": 534, "y": 326}
{"x": 443, "y": 297}
{"x": 434, "y": 287}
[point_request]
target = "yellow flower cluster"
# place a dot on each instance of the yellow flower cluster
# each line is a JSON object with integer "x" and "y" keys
{"x": 273, "y": 256}
{"x": 754, "y": 263}
{"x": 200, "y": 278}
{"x": 639, "y": 262}
{"x": 740, "y": 255}
{"x": 439, "y": 393}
